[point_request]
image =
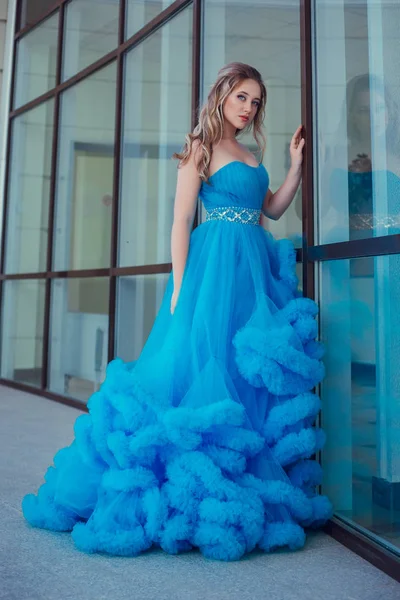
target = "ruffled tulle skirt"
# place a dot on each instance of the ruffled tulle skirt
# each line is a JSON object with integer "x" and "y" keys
{"x": 206, "y": 440}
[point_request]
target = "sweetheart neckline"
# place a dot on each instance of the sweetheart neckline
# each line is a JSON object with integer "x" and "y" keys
{"x": 232, "y": 163}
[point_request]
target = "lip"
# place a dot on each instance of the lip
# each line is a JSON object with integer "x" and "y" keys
{"x": 245, "y": 119}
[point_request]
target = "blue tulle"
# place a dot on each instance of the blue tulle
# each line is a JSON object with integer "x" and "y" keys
{"x": 204, "y": 441}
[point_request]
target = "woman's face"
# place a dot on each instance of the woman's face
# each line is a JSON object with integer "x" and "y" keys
{"x": 242, "y": 104}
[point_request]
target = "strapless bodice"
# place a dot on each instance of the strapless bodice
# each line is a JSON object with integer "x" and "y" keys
{"x": 235, "y": 185}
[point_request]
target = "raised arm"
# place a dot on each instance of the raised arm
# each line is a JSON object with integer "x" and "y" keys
{"x": 187, "y": 191}
{"x": 275, "y": 204}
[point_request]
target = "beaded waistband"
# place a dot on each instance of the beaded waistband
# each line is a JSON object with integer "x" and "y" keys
{"x": 234, "y": 214}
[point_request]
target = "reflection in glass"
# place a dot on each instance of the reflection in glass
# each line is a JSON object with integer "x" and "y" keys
{"x": 141, "y": 12}
{"x": 29, "y": 190}
{"x": 36, "y": 61}
{"x": 360, "y": 326}
{"x": 359, "y": 121}
{"x": 157, "y": 112}
{"x": 32, "y": 10}
{"x": 266, "y": 36}
{"x": 91, "y": 31}
{"x": 22, "y": 331}
{"x": 85, "y": 173}
{"x": 139, "y": 299}
{"x": 78, "y": 335}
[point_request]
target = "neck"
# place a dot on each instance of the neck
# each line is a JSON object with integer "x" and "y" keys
{"x": 229, "y": 132}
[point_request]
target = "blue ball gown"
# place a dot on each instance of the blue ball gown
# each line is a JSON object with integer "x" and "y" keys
{"x": 205, "y": 440}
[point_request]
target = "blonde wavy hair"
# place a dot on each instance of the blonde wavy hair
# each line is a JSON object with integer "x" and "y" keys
{"x": 210, "y": 127}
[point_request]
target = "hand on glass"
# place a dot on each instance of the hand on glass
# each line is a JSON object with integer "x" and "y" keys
{"x": 296, "y": 148}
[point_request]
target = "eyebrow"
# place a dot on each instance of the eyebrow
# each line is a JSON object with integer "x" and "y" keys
{"x": 243, "y": 92}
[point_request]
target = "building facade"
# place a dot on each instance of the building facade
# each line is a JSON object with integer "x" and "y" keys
{"x": 96, "y": 95}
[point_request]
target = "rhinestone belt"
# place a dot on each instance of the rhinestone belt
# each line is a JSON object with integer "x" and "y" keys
{"x": 234, "y": 214}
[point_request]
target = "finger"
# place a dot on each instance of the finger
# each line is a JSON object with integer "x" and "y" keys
{"x": 298, "y": 131}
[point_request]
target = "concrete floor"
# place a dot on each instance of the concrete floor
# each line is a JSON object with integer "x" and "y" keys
{"x": 41, "y": 565}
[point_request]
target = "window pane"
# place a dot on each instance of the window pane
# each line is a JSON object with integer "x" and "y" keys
{"x": 358, "y": 92}
{"x": 32, "y": 10}
{"x": 139, "y": 298}
{"x": 36, "y": 58}
{"x": 266, "y": 36}
{"x": 157, "y": 116}
{"x": 140, "y": 12}
{"x": 360, "y": 325}
{"x": 22, "y": 331}
{"x": 91, "y": 31}
{"x": 85, "y": 173}
{"x": 29, "y": 191}
{"x": 78, "y": 335}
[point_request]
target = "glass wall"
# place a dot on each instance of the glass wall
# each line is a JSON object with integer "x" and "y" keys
{"x": 32, "y": 10}
{"x": 139, "y": 298}
{"x": 29, "y": 190}
{"x": 60, "y": 205}
{"x": 358, "y": 120}
{"x": 82, "y": 233}
{"x": 78, "y": 335}
{"x": 157, "y": 114}
{"x": 358, "y": 193}
{"x": 22, "y": 331}
{"x": 266, "y": 35}
{"x": 36, "y": 57}
{"x": 140, "y": 12}
{"x": 91, "y": 31}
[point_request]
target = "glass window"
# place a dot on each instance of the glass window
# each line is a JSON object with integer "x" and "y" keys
{"x": 141, "y": 12}
{"x": 91, "y": 31}
{"x": 29, "y": 191}
{"x": 78, "y": 335}
{"x": 36, "y": 61}
{"x": 266, "y": 36}
{"x": 157, "y": 114}
{"x": 85, "y": 173}
{"x": 32, "y": 10}
{"x": 139, "y": 299}
{"x": 22, "y": 331}
{"x": 358, "y": 93}
{"x": 360, "y": 325}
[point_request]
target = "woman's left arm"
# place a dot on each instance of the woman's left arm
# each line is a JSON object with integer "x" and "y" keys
{"x": 275, "y": 204}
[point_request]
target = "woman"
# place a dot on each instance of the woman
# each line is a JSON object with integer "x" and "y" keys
{"x": 205, "y": 440}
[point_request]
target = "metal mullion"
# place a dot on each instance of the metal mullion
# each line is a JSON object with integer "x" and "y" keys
{"x": 79, "y": 273}
{"x": 155, "y": 269}
{"x": 112, "y": 302}
{"x": 155, "y": 24}
{"x": 52, "y": 199}
{"x": 32, "y": 104}
{"x": 62, "y": 86}
{"x": 11, "y": 276}
{"x": 133, "y": 41}
{"x": 376, "y": 246}
{"x": 149, "y": 269}
{"x": 45, "y": 15}
{"x": 307, "y": 121}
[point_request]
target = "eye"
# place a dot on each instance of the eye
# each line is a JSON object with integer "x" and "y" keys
{"x": 241, "y": 96}
{"x": 256, "y": 103}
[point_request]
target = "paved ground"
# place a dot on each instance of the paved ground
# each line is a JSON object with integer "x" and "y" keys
{"x": 40, "y": 565}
